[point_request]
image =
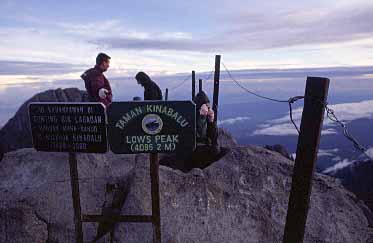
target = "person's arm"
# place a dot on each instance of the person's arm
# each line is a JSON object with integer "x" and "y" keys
{"x": 97, "y": 84}
{"x": 212, "y": 131}
{"x": 109, "y": 96}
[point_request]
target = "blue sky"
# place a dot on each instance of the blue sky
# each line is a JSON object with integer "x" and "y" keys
{"x": 61, "y": 38}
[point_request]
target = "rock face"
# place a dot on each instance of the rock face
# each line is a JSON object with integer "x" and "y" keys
{"x": 240, "y": 198}
{"x": 280, "y": 149}
{"x": 358, "y": 178}
{"x": 16, "y": 132}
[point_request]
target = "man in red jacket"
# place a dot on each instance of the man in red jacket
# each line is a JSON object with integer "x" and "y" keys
{"x": 96, "y": 84}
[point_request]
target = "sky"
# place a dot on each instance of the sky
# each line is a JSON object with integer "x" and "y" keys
{"x": 43, "y": 40}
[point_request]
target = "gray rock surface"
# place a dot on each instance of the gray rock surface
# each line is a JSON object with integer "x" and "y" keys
{"x": 16, "y": 133}
{"x": 240, "y": 198}
{"x": 280, "y": 149}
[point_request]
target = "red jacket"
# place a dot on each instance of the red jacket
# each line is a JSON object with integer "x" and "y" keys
{"x": 95, "y": 80}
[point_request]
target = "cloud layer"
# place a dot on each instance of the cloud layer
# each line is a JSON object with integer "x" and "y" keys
{"x": 36, "y": 68}
{"x": 346, "y": 112}
{"x": 262, "y": 30}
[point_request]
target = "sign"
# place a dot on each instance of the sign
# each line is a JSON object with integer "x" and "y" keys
{"x": 68, "y": 127}
{"x": 152, "y": 126}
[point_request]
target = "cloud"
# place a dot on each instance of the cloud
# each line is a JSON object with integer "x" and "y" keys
{"x": 36, "y": 68}
{"x": 369, "y": 152}
{"x": 345, "y": 112}
{"x": 234, "y": 120}
{"x": 327, "y": 152}
{"x": 262, "y": 30}
{"x": 284, "y": 129}
{"x": 344, "y": 163}
{"x": 157, "y": 42}
{"x": 301, "y": 27}
{"x": 352, "y": 111}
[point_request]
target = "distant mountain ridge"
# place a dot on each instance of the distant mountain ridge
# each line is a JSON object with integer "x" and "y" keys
{"x": 16, "y": 133}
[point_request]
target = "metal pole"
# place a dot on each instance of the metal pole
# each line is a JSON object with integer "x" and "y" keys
{"x": 200, "y": 85}
{"x": 76, "y": 197}
{"x": 154, "y": 180}
{"x": 166, "y": 96}
{"x": 308, "y": 142}
{"x": 193, "y": 84}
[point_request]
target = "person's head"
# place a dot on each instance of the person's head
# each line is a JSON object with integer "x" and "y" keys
{"x": 202, "y": 103}
{"x": 103, "y": 61}
{"x": 142, "y": 78}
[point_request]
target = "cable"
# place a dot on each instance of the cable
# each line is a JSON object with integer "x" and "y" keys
{"x": 330, "y": 113}
{"x": 251, "y": 92}
{"x": 181, "y": 83}
{"x": 208, "y": 77}
{"x": 289, "y": 101}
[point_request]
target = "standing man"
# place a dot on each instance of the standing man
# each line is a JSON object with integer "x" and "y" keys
{"x": 151, "y": 89}
{"x": 96, "y": 84}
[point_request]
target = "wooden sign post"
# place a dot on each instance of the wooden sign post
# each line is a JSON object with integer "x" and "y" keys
{"x": 200, "y": 85}
{"x": 69, "y": 127}
{"x": 156, "y": 212}
{"x": 74, "y": 180}
{"x": 152, "y": 127}
{"x": 310, "y": 130}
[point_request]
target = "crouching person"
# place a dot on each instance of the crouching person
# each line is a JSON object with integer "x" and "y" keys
{"x": 207, "y": 150}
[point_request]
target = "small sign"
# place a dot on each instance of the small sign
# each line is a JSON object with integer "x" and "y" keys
{"x": 152, "y": 126}
{"x": 68, "y": 127}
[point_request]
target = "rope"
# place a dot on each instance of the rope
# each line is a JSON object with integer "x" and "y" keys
{"x": 249, "y": 91}
{"x": 330, "y": 113}
{"x": 181, "y": 83}
{"x": 290, "y": 101}
{"x": 208, "y": 77}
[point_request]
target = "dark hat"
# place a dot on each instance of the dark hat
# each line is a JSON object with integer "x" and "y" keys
{"x": 200, "y": 99}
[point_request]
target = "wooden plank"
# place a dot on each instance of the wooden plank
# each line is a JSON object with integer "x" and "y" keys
{"x": 154, "y": 179}
{"x": 76, "y": 197}
{"x": 308, "y": 142}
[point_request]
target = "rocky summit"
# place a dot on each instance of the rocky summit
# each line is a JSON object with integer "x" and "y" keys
{"x": 240, "y": 198}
